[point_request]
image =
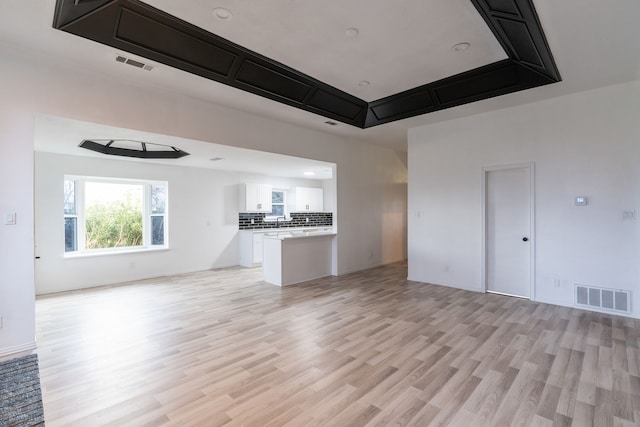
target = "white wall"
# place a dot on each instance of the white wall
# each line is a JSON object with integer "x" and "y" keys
{"x": 371, "y": 187}
{"x": 582, "y": 144}
{"x": 203, "y": 222}
{"x": 16, "y": 241}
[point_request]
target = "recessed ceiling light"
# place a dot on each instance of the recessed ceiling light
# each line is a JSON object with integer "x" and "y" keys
{"x": 330, "y": 123}
{"x": 461, "y": 47}
{"x": 216, "y": 159}
{"x": 222, "y": 13}
{"x": 364, "y": 83}
{"x": 308, "y": 173}
{"x": 352, "y": 32}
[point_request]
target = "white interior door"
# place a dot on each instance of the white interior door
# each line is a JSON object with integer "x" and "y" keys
{"x": 508, "y": 228}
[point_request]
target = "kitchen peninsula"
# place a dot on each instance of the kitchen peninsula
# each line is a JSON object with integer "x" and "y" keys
{"x": 291, "y": 257}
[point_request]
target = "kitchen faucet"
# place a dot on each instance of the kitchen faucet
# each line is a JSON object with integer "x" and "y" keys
{"x": 278, "y": 220}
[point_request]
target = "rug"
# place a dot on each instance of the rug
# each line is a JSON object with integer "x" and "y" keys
{"x": 20, "y": 396}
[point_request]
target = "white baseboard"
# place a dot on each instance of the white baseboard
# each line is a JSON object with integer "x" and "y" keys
{"x": 447, "y": 285}
{"x": 370, "y": 266}
{"x": 17, "y": 349}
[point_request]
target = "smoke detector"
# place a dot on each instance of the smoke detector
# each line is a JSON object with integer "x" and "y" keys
{"x": 133, "y": 62}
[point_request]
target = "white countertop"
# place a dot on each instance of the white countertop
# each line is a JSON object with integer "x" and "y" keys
{"x": 288, "y": 229}
{"x": 298, "y": 234}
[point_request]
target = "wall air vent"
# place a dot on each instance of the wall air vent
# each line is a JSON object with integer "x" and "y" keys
{"x": 603, "y": 298}
{"x": 134, "y": 63}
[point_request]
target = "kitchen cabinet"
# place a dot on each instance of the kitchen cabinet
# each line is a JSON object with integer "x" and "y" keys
{"x": 255, "y": 197}
{"x": 250, "y": 248}
{"x": 251, "y": 242}
{"x": 309, "y": 199}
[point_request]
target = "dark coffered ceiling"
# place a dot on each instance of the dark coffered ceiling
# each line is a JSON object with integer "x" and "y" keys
{"x": 140, "y": 29}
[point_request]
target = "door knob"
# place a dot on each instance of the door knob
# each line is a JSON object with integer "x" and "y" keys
{"x": 525, "y": 239}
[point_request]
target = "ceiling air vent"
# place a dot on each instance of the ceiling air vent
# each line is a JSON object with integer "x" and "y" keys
{"x": 134, "y": 63}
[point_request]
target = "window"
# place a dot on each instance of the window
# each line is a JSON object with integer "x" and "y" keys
{"x": 278, "y": 206}
{"x": 102, "y": 214}
{"x": 70, "y": 217}
{"x": 158, "y": 209}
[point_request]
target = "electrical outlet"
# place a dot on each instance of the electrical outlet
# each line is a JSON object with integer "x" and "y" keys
{"x": 1, "y": 322}
{"x": 556, "y": 283}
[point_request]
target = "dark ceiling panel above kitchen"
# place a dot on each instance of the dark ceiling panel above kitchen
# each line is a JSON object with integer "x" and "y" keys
{"x": 135, "y": 27}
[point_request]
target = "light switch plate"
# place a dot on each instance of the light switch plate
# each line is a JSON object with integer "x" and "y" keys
{"x": 581, "y": 200}
{"x": 10, "y": 219}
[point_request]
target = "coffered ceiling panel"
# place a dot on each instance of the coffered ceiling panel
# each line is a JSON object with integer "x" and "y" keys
{"x": 394, "y": 46}
{"x": 300, "y": 54}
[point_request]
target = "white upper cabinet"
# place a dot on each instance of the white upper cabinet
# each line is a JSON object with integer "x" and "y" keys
{"x": 255, "y": 197}
{"x": 309, "y": 199}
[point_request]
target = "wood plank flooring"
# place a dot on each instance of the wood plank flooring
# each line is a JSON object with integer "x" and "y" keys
{"x": 222, "y": 348}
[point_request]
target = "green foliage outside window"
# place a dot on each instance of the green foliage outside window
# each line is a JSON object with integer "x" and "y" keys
{"x": 111, "y": 213}
{"x": 114, "y": 224}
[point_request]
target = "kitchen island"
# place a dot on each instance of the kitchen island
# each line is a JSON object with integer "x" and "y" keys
{"x": 291, "y": 257}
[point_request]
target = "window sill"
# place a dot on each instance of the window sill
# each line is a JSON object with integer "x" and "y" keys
{"x": 127, "y": 251}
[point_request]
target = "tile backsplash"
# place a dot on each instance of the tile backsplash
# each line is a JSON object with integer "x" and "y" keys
{"x": 315, "y": 219}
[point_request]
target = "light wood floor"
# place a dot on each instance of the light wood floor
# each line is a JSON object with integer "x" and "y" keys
{"x": 223, "y": 348}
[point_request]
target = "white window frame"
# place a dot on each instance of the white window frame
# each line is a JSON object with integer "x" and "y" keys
{"x": 81, "y": 249}
{"x": 284, "y": 192}
{"x": 73, "y": 215}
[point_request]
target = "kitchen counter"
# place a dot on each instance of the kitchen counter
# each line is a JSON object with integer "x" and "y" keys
{"x": 250, "y": 242}
{"x": 291, "y": 257}
{"x": 287, "y": 229}
{"x": 296, "y": 234}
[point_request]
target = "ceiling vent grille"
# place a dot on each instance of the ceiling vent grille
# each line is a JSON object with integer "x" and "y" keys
{"x": 603, "y": 298}
{"x": 134, "y": 63}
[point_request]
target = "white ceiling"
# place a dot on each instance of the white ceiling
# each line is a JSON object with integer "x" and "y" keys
{"x": 595, "y": 43}
{"x": 62, "y": 136}
{"x": 398, "y": 46}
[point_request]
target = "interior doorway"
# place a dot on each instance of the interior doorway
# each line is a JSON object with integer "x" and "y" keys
{"x": 509, "y": 230}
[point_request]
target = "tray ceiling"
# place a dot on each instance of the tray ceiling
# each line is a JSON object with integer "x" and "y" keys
{"x": 299, "y": 53}
{"x": 394, "y": 47}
